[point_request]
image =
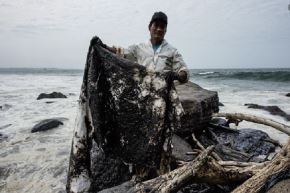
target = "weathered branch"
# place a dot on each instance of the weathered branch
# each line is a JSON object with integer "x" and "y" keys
{"x": 174, "y": 179}
{"x": 206, "y": 170}
{"x": 203, "y": 169}
{"x": 203, "y": 148}
{"x": 241, "y": 164}
{"x": 269, "y": 175}
{"x": 255, "y": 119}
{"x": 167, "y": 182}
{"x": 215, "y": 174}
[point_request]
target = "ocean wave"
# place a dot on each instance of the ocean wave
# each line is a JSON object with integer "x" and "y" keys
{"x": 206, "y": 73}
{"x": 54, "y": 71}
{"x": 279, "y": 76}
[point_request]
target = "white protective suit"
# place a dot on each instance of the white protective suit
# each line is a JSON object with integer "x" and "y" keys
{"x": 165, "y": 58}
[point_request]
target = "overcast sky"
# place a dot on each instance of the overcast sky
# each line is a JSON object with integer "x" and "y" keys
{"x": 208, "y": 33}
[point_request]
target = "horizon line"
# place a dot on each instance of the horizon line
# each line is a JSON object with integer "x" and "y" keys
{"x": 44, "y": 68}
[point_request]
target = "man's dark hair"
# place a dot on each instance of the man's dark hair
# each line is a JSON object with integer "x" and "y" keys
{"x": 158, "y": 16}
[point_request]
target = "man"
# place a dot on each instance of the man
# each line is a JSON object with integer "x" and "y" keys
{"x": 157, "y": 54}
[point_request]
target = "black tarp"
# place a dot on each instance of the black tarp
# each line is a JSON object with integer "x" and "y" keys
{"x": 125, "y": 122}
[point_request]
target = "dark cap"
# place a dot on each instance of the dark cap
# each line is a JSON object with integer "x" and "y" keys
{"x": 159, "y": 16}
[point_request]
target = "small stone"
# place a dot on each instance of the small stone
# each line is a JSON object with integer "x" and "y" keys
{"x": 273, "y": 110}
{"x": 5, "y": 126}
{"x": 5, "y": 107}
{"x": 3, "y": 137}
{"x": 219, "y": 121}
{"x": 288, "y": 94}
{"x": 51, "y": 95}
{"x": 46, "y": 125}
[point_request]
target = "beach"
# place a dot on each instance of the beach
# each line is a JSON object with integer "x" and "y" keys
{"x": 38, "y": 162}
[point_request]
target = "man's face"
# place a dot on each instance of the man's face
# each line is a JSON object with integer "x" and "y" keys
{"x": 157, "y": 31}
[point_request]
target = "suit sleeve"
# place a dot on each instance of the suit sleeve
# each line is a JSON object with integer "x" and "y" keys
{"x": 179, "y": 64}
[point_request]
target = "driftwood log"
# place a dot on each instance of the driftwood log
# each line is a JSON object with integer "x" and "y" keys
{"x": 258, "y": 177}
{"x": 174, "y": 180}
{"x": 278, "y": 169}
{"x": 255, "y": 119}
{"x": 202, "y": 169}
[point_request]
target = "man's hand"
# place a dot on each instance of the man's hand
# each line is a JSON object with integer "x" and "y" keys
{"x": 182, "y": 76}
{"x": 171, "y": 76}
{"x": 97, "y": 41}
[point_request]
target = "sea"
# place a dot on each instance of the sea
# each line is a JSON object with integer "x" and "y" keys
{"x": 38, "y": 162}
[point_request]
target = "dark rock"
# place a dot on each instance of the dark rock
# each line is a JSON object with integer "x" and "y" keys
{"x": 221, "y": 104}
{"x": 239, "y": 145}
{"x": 288, "y": 94}
{"x": 180, "y": 148}
{"x": 46, "y": 125}
{"x": 51, "y": 95}
{"x": 5, "y": 107}
{"x": 5, "y": 126}
{"x": 254, "y": 142}
{"x": 3, "y": 137}
{"x": 220, "y": 122}
{"x": 273, "y": 110}
{"x": 198, "y": 104}
{"x": 49, "y": 102}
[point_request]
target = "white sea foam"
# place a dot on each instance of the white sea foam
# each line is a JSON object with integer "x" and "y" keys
{"x": 206, "y": 73}
{"x": 36, "y": 162}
